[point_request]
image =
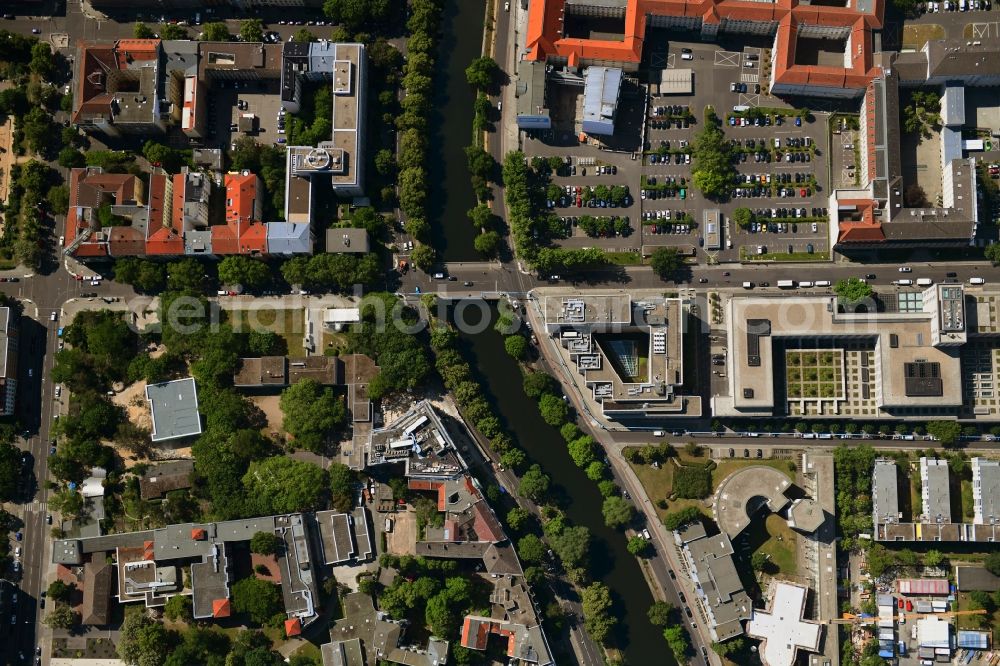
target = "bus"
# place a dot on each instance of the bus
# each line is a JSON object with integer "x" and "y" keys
{"x": 786, "y": 284}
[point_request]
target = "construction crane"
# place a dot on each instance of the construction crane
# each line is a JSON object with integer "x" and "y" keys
{"x": 849, "y": 618}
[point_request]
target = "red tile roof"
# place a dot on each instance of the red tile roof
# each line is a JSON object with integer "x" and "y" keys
{"x": 221, "y": 608}
{"x": 544, "y": 34}
{"x": 97, "y": 61}
{"x": 293, "y": 627}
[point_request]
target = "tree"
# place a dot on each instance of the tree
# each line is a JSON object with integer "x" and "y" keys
{"x": 992, "y": 563}
{"x": 70, "y": 158}
{"x": 259, "y": 599}
{"x": 712, "y": 170}
{"x": 518, "y": 519}
{"x": 42, "y": 63}
{"x": 171, "y": 31}
{"x": 743, "y": 217}
{"x": 186, "y": 275}
{"x": 142, "y": 641}
{"x": 665, "y": 261}
{"x": 572, "y": 545}
{"x": 215, "y": 32}
{"x": 660, "y": 613}
{"x": 758, "y": 561}
{"x": 285, "y": 485}
{"x": 531, "y": 549}
{"x": 554, "y": 409}
{"x": 637, "y": 545}
{"x": 617, "y": 511}
{"x": 488, "y": 243}
{"x": 252, "y": 30}
{"x": 596, "y": 602}
{"x": 914, "y": 196}
{"x": 692, "y": 481}
{"x": 251, "y": 274}
{"x": 730, "y": 647}
{"x": 482, "y": 216}
{"x": 583, "y": 450}
{"x": 178, "y": 608}
{"x": 677, "y": 639}
{"x": 385, "y": 162}
{"x": 312, "y": 414}
{"x": 946, "y": 432}
{"x": 852, "y": 290}
{"x": 992, "y": 252}
{"x": 534, "y": 484}
{"x": 265, "y": 543}
{"x": 482, "y": 73}
{"x": 58, "y": 198}
{"x": 342, "y": 482}
{"x": 10, "y": 470}
{"x": 142, "y": 31}
{"x": 60, "y": 591}
{"x": 423, "y": 257}
{"x": 146, "y": 276}
{"x": 678, "y": 519}
{"x": 62, "y": 616}
{"x": 537, "y": 383}
{"x": 516, "y": 346}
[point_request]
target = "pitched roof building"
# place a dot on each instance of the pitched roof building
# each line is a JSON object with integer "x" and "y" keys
{"x": 9, "y": 337}
{"x": 116, "y": 87}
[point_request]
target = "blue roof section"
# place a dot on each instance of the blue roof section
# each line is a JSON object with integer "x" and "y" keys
{"x": 288, "y": 238}
{"x": 951, "y": 144}
{"x": 600, "y": 99}
{"x": 953, "y": 107}
{"x": 974, "y": 640}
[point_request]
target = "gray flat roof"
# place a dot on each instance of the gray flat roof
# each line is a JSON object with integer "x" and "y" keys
{"x": 986, "y": 490}
{"x": 935, "y": 491}
{"x": 885, "y": 492}
{"x": 174, "y": 408}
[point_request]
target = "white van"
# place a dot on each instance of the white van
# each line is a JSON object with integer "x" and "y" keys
{"x": 805, "y": 284}
{"x": 748, "y": 285}
{"x": 924, "y": 282}
{"x": 659, "y": 433}
{"x": 903, "y": 283}
{"x": 977, "y": 280}
{"x": 740, "y": 108}
{"x": 823, "y": 283}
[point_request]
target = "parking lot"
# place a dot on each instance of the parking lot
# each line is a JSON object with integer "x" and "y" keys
{"x": 259, "y": 98}
{"x": 780, "y": 160}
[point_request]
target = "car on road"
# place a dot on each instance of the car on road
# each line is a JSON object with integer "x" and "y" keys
{"x": 19, "y": 535}
{"x": 951, "y": 275}
{"x": 646, "y": 535}
{"x": 53, "y": 316}
{"x": 48, "y": 521}
{"x": 905, "y": 269}
{"x": 439, "y": 276}
{"x": 870, "y": 276}
{"x": 467, "y": 284}
{"x": 36, "y": 31}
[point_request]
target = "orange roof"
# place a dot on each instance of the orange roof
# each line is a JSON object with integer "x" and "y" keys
{"x": 861, "y": 233}
{"x": 478, "y": 639}
{"x": 438, "y": 486}
{"x": 545, "y": 34}
{"x": 293, "y": 627}
{"x": 241, "y": 197}
{"x": 221, "y": 608}
{"x": 199, "y": 534}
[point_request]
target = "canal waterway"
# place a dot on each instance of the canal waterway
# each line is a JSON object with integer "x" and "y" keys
{"x": 451, "y": 194}
{"x": 611, "y": 563}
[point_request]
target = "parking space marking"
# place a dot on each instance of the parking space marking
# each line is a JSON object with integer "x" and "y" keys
{"x": 749, "y": 100}
{"x": 749, "y": 78}
{"x": 985, "y": 30}
{"x": 727, "y": 58}
{"x": 671, "y": 59}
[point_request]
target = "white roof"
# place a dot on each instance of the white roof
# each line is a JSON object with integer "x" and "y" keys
{"x": 782, "y": 628}
{"x": 933, "y": 632}
{"x": 342, "y": 315}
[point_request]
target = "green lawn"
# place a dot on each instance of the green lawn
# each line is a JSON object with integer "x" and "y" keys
{"x": 784, "y": 256}
{"x": 624, "y": 258}
{"x": 289, "y": 324}
{"x": 774, "y": 538}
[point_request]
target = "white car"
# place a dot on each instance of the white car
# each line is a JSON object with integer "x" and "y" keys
{"x": 815, "y": 228}
{"x": 905, "y": 269}
{"x": 53, "y": 316}
{"x": 687, "y": 56}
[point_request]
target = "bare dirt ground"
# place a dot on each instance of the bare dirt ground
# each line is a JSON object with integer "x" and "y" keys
{"x": 403, "y": 537}
{"x": 270, "y": 405}
{"x": 6, "y": 159}
{"x": 133, "y": 400}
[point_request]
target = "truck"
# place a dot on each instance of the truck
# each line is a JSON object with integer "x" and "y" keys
{"x": 786, "y": 284}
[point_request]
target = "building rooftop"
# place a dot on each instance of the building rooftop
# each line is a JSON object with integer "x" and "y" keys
{"x": 162, "y": 478}
{"x": 115, "y": 84}
{"x": 782, "y": 627}
{"x": 601, "y": 88}
{"x": 588, "y": 310}
{"x": 347, "y": 240}
{"x": 986, "y": 491}
{"x": 717, "y": 581}
{"x": 935, "y": 490}
{"x": 885, "y": 492}
{"x": 174, "y": 409}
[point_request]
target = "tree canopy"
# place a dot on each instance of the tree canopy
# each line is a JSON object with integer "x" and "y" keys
{"x": 215, "y": 32}
{"x": 665, "y": 261}
{"x": 259, "y": 599}
{"x": 852, "y": 290}
{"x": 711, "y": 158}
{"x": 285, "y": 485}
{"x": 313, "y": 414}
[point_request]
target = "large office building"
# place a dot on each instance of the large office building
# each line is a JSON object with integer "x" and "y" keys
{"x": 898, "y": 355}
{"x": 712, "y": 568}
{"x": 628, "y": 354}
{"x": 116, "y": 87}
{"x": 339, "y": 160}
{"x": 559, "y": 34}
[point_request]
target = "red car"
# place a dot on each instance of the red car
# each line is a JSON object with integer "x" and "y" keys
{"x": 909, "y": 605}
{"x": 802, "y": 192}
{"x": 901, "y": 602}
